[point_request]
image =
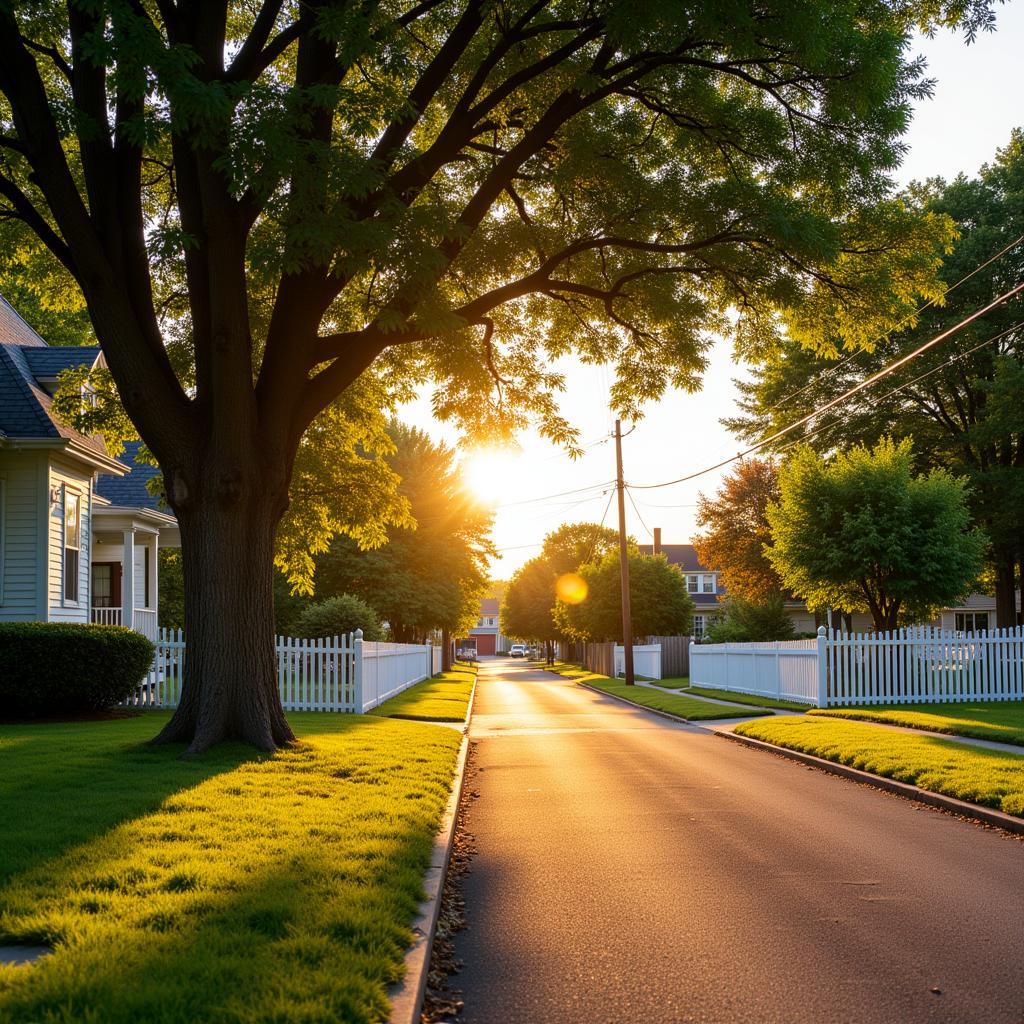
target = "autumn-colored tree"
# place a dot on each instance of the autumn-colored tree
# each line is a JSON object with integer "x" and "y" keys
{"x": 736, "y": 530}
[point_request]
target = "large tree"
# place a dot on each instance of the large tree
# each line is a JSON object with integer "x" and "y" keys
{"x": 960, "y": 400}
{"x": 736, "y": 530}
{"x": 861, "y": 532}
{"x": 526, "y": 607}
{"x": 455, "y": 191}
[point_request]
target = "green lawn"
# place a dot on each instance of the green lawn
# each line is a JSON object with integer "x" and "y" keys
{"x": 675, "y": 704}
{"x": 981, "y": 776}
{"x": 751, "y": 699}
{"x": 233, "y": 887}
{"x": 995, "y": 720}
{"x": 443, "y": 698}
{"x": 676, "y": 683}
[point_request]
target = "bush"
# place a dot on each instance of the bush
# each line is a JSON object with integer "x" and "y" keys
{"x": 59, "y": 668}
{"x": 746, "y": 621}
{"x": 338, "y": 615}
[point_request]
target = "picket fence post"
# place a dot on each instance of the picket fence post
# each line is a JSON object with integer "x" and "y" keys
{"x": 822, "y": 667}
{"x": 357, "y": 664}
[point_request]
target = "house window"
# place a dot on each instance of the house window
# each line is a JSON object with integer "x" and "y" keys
{"x": 699, "y": 625}
{"x": 701, "y": 583}
{"x": 709, "y": 584}
{"x": 72, "y": 543}
{"x": 693, "y": 584}
{"x": 971, "y": 622}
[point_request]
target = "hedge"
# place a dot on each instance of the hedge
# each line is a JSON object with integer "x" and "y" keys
{"x": 49, "y": 668}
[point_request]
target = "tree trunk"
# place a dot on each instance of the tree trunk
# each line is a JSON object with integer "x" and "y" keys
{"x": 446, "y": 651}
{"x": 230, "y": 682}
{"x": 1006, "y": 590}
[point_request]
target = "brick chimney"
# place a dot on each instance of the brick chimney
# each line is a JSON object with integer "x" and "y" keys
{"x": 657, "y": 540}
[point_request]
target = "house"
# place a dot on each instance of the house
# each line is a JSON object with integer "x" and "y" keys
{"x": 976, "y": 612}
{"x": 486, "y": 636}
{"x": 79, "y": 532}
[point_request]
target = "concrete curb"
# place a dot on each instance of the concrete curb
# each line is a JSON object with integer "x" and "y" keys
{"x": 407, "y": 995}
{"x": 961, "y": 808}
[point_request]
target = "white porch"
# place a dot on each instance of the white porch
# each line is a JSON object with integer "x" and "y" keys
{"x": 125, "y": 567}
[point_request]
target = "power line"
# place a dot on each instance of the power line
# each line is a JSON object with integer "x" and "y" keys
{"x": 911, "y": 383}
{"x": 640, "y": 517}
{"x": 600, "y": 527}
{"x": 910, "y": 316}
{"x": 559, "y": 494}
{"x": 846, "y": 394}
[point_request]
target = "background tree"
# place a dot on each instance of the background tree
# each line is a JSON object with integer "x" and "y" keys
{"x": 860, "y": 532}
{"x": 527, "y": 606}
{"x": 431, "y": 574}
{"x": 572, "y": 545}
{"x": 744, "y": 621}
{"x": 659, "y": 601}
{"x": 736, "y": 530}
{"x": 961, "y": 413}
{"x": 448, "y": 191}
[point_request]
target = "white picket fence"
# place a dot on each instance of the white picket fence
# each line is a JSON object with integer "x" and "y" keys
{"x": 917, "y": 665}
{"x": 343, "y": 673}
{"x": 783, "y": 669}
{"x": 646, "y": 660}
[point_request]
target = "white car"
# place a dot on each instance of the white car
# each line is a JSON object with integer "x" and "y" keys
{"x": 518, "y": 650}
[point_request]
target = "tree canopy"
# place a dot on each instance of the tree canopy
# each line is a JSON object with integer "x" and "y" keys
{"x": 431, "y": 573}
{"x": 659, "y": 602}
{"x": 860, "y": 532}
{"x": 259, "y": 202}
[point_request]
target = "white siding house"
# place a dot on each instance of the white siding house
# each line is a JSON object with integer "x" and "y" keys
{"x": 68, "y": 510}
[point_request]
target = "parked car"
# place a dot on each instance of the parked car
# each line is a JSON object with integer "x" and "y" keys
{"x": 518, "y": 650}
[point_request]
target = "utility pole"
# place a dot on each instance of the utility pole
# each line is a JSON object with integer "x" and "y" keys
{"x": 627, "y": 623}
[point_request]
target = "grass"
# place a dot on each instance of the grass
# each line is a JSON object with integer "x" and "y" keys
{"x": 675, "y": 704}
{"x": 750, "y": 699}
{"x": 233, "y": 887}
{"x": 992, "y": 778}
{"x": 444, "y": 698}
{"x": 994, "y": 720}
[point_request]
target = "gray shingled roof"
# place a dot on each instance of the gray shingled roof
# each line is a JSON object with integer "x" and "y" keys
{"x": 130, "y": 491}
{"x": 45, "y": 361}
{"x": 14, "y": 330}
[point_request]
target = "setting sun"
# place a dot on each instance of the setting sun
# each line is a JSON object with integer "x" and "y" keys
{"x": 492, "y": 474}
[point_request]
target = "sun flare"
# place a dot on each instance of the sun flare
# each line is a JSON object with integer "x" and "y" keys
{"x": 492, "y": 475}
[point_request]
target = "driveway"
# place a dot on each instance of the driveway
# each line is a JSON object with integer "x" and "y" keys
{"x": 634, "y": 869}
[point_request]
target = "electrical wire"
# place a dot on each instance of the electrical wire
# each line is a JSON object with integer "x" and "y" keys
{"x": 640, "y": 517}
{"x": 910, "y": 316}
{"x": 845, "y": 395}
{"x": 559, "y": 494}
{"x": 600, "y": 527}
{"x": 911, "y": 383}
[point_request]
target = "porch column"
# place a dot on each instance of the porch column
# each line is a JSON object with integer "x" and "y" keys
{"x": 151, "y": 597}
{"x": 128, "y": 580}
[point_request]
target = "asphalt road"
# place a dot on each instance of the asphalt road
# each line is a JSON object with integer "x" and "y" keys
{"x": 633, "y": 869}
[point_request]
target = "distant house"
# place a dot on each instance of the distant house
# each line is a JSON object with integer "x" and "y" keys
{"x": 79, "y": 532}
{"x": 978, "y": 611}
{"x": 485, "y": 636}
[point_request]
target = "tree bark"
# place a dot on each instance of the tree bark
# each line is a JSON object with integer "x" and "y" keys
{"x": 230, "y": 679}
{"x": 446, "y": 651}
{"x": 1006, "y": 590}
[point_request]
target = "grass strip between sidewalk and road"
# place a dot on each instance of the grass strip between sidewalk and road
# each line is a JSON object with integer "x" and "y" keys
{"x": 443, "y": 698}
{"x": 750, "y": 699}
{"x": 988, "y": 777}
{"x": 233, "y": 887}
{"x": 1002, "y": 721}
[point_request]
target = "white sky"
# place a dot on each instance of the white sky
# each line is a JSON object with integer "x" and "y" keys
{"x": 975, "y": 106}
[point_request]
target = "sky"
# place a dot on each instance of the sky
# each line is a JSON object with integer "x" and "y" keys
{"x": 971, "y": 113}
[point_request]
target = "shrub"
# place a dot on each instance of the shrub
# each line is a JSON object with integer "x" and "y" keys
{"x": 746, "y": 621}
{"x": 49, "y": 668}
{"x": 337, "y": 615}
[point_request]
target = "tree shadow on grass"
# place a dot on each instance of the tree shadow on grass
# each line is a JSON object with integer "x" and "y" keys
{"x": 63, "y": 783}
{"x": 277, "y": 891}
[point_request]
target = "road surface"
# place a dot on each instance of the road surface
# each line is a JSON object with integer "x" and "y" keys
{"x": 631, "y": 869}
